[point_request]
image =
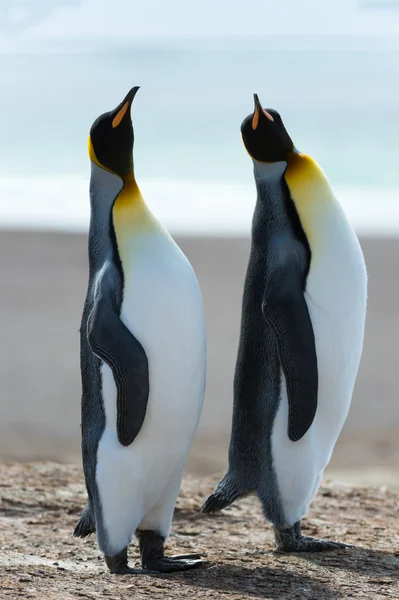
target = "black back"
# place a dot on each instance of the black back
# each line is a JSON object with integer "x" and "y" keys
{"x": 258, "y": 371}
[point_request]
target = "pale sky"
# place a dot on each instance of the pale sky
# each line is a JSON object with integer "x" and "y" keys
{"x": 116, "y": 19}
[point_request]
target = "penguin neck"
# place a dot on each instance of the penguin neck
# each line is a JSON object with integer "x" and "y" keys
{"x": 130, "y": 214}
{"x": 270, "y": 211}
{"x": 129, "y": 198}
{"x": 313, "y": 197}
{"x": 104, "y": 189}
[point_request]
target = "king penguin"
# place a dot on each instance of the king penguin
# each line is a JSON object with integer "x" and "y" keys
{"x": 143, "y": 360}
{"x": 303, "y": 319}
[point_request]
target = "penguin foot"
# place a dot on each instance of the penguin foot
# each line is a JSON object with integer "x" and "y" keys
{"x": 168, "y": 564}
{"x": 153, "y": 555}
{"x": 192, "y": 556}
{"x": 292, "y": 540}
{"x": 118, "y": 565}
{"x": 306, "y": 543}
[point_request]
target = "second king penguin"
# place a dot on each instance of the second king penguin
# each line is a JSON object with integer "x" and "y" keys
{"x": 302, "y": 329}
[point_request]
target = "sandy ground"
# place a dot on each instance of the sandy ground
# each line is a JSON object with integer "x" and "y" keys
{"x": 42, "y": 288}
{"x": 40, "y": 504}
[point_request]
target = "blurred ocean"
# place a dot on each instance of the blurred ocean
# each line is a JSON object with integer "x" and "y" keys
{"x": 339, "y": 98}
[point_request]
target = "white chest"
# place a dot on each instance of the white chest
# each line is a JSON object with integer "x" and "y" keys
{"x": 336, "y": 293}
{"x": 162, "y": 303}
{"x": 162, "y": 307}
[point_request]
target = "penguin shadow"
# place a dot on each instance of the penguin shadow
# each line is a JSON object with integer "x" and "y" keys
{"x": 376, "y": 567}
{"x": 359, "y": 560}
{"x": 258, "y": 582}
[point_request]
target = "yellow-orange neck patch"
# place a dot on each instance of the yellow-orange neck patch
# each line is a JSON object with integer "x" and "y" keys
{"x": 311, "y": 192}
{"x": 128, "y": 179}
{"x": 130, "y": 214}
{"x": 92, "y": 154}
{"x": 131, "y": 219}
{"x": 304, "y": 172}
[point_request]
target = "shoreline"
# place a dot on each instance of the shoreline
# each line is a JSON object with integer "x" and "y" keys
{"x": 186, "y": 208}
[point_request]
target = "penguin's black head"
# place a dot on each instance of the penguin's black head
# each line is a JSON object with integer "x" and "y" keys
{"x": 265, "y": 136}
{"x": 111, "y": 138}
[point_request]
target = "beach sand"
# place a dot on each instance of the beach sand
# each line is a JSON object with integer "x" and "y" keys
{"x": 41, "y": 503}
{"x": 42, "y": 289}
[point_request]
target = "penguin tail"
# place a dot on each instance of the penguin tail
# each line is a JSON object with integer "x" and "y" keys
{"x": 226, "y": 491}
{"x": 86, "y": 525}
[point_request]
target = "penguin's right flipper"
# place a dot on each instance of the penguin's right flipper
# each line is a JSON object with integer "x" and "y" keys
{"x": 225, "y": 493}
{"x": 285, "y": 310}
{"x": 114, "y": 344}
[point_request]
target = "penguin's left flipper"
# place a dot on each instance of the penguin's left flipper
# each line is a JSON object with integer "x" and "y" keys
{"x": 114, "y": 344}
{"x": 285, "y": 310}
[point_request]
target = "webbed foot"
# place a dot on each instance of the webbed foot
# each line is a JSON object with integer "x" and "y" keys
{"x": 192, "y": 556}
{"x": 118, "y": 565}
{"x": 168, "y": 564}
{"x": 153, "y": 555}
{"x": 292, "y": 540}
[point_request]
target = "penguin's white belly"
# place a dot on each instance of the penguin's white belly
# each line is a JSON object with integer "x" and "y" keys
{"x": 162, "y": 307}
{"x": 336, "y": 297}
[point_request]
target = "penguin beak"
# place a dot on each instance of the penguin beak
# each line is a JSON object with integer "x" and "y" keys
{"x": 124, "y": 107}
{"x": 259, "y": 110}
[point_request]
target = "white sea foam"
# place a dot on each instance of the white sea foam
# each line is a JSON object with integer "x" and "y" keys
{"x": 210, "y": 208}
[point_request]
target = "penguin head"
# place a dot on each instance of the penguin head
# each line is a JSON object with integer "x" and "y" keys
{"x": 111, "y": 138}
{"x": 264, "y": 135}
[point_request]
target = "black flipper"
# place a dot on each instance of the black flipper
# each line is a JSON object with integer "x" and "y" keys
{"x": 86, "y": 525}
{"x": 225, "y": 493}
{"x": 285, "y": 310}
{"x": 113, "y": 343}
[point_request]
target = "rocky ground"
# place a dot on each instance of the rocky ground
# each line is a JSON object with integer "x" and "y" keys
{"x": 41, "y": 502}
